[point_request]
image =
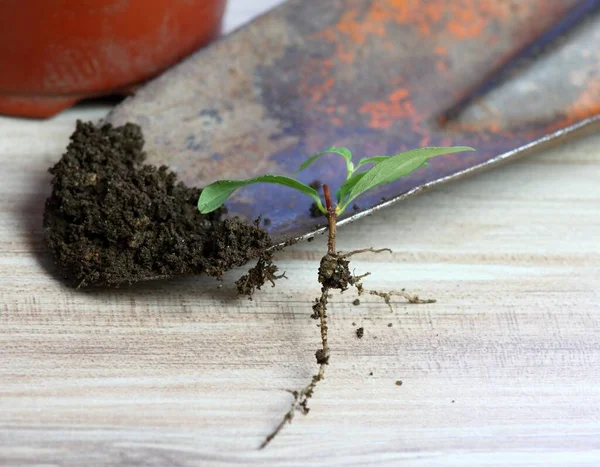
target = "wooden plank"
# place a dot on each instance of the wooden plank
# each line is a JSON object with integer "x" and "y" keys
{"x": 503, "y": 369}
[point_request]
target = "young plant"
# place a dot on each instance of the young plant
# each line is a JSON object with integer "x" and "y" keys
{"x": 334, "y": 271}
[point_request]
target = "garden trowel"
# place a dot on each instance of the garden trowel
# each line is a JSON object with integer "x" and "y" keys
{"x": 377, "y": 77}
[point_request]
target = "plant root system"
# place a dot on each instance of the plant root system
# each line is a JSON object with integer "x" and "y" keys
{"x": 334, "y": 273}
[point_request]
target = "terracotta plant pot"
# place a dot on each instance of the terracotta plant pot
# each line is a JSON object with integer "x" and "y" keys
{"x": 54, "y": 53}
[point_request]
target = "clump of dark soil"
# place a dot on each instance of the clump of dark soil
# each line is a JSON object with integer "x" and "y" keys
{"x": 112, "y": 219}
{"x": 360, "y": 332}
{"x": 334, "y": 272}
{"x": 258, "y": 275}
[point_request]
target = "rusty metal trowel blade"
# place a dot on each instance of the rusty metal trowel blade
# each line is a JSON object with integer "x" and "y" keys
{"x": 376, "y": 77}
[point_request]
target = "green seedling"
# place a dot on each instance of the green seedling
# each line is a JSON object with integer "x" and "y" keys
{"x": 334, "y": 271}
{"x": 386, "y": 169}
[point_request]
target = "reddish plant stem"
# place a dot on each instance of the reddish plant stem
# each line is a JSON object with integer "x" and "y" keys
{"x": 331, "y": 220}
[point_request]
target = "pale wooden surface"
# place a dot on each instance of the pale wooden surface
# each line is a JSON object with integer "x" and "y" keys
{"x": 503, "y": 370}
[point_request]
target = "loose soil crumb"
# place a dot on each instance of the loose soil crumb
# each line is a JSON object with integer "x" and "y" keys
{"x": 356, "y": 302}
{"x": 360, "y": 332}
{"x": 398, "y": 383}
{"x": 390, "y": 325}
{"x": 112, "y": 220}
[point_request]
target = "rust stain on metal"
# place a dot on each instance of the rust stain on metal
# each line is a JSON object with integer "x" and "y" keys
{"x": 375, "y": 76}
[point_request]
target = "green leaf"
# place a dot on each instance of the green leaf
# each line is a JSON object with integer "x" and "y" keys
{"x": 371, "y": 160}
{"x": 393, "y": 168}
{"x": 342, "y": 191}
{"x": 345, "y": 153}
{"x": 214, "y": 195}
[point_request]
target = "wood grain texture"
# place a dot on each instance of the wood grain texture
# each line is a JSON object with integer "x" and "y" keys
{"x": 502, "y": 370}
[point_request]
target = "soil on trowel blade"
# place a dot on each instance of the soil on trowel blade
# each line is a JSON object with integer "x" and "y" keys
{"x": 112, "y": 220}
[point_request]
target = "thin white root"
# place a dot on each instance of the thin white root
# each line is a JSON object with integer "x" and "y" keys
{"x": 387, "y": 296}
{"x": 364, "y": 250}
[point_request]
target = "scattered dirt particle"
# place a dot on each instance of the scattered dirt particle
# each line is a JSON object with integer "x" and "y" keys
{"x": 390, "y": 325}
{"x": 353, "y": 323}
{"x": 371, "y": 374}
{"x": 399, "y": 383}
{"x": 453, "y": 402}
{"x": 356, "y": 302}
{"x": 355, "y": 207}
{"x": 111, "y": 219}
{"x": 310, "y": 239}
{"x": 360, "y": 332}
